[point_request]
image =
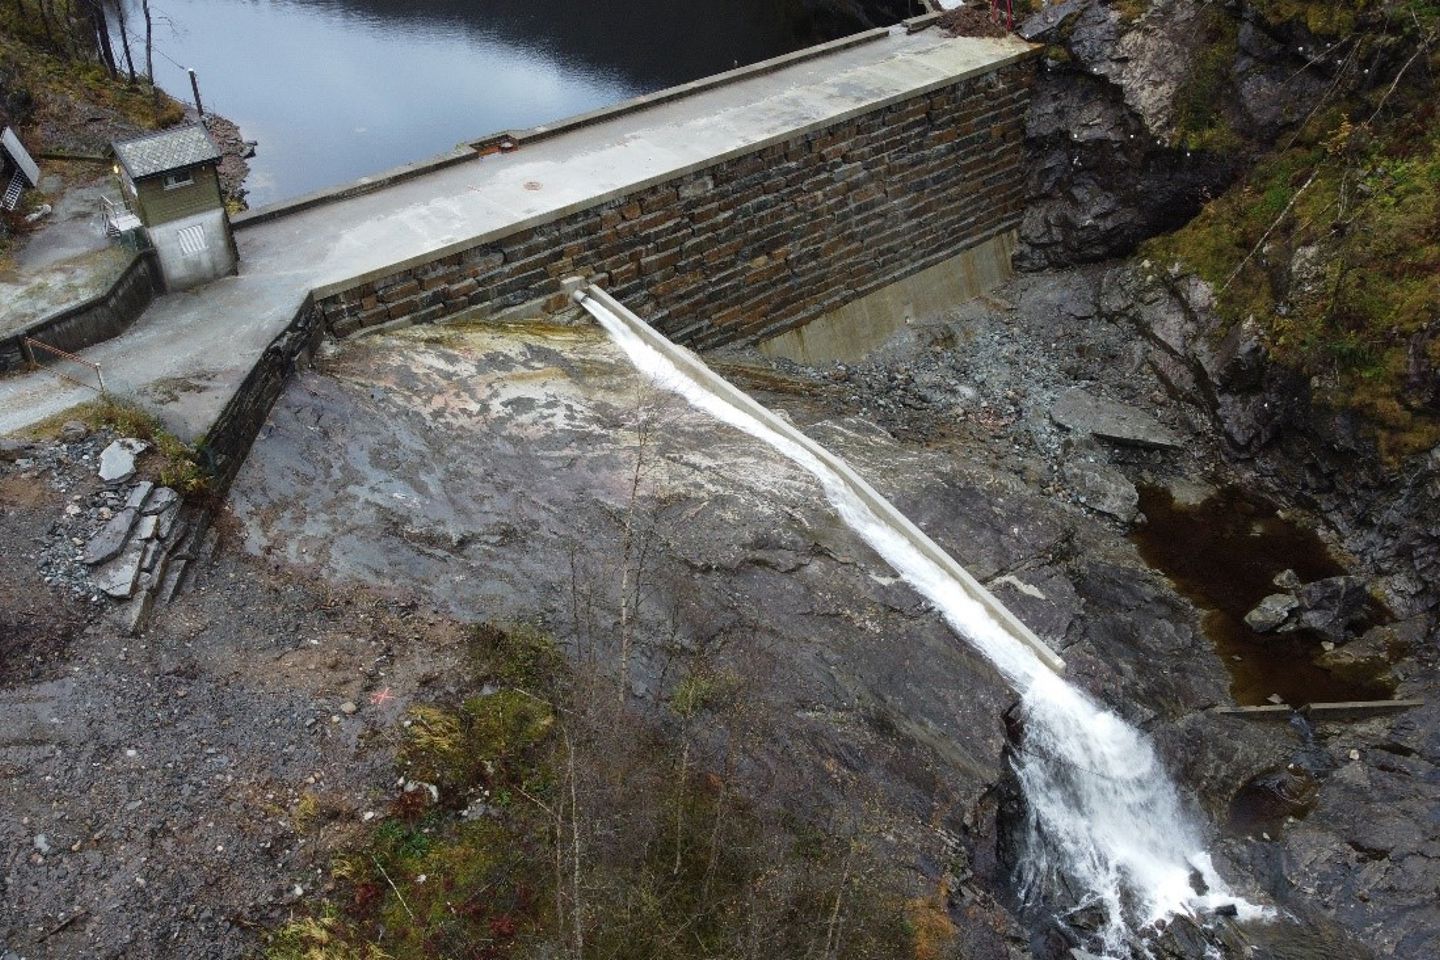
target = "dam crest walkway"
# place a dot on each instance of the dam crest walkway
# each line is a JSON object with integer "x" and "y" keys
{"x": 190, "y": 352}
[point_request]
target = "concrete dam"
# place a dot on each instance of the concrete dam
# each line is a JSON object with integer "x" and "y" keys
{"x": 738, "y": 208}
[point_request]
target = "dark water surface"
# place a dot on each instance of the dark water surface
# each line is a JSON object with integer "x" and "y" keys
{"x": 1224, "y": 554}
{"x": 339, "y": 89}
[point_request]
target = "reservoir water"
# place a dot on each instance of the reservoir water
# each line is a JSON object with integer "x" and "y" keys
{"x": 339, "y": 89}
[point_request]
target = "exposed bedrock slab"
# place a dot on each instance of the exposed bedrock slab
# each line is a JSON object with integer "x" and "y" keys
{"x": 490, "y": 472}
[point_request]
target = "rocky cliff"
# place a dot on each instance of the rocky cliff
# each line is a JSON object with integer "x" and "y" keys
{"x": 1262, "y": 178}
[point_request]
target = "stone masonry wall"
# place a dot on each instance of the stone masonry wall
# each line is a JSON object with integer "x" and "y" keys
{"x": 756, "y": 244}
{"x": 228, "y": 440}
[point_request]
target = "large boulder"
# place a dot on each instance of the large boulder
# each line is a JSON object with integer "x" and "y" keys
{"x": 1271, "y": 612}
{"x": 1330, "y": 606}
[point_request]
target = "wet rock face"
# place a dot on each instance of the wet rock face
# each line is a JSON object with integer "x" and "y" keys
{"x": 491, "y": 472}
{"x": 1267, "y": 799}
{"x": 1110, "y": 119}
{"x": 496, "y": 477}
{"x": 1324, "y": 461}
{"x": 1098, "y": 182}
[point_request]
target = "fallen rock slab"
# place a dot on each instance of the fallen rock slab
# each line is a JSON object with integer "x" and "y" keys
{"x": 163, "y": 499}
{"x": 117, "y": 461}
{"x": 139, "y": 494}
{"x": 1271, "y": 612}
{"x": 119, "y": 577}
{"x": 145, "y": 527}
{"x": 110, "y": 540}
{"x": 1081, "y": 412}
{"x": 165, "y": 521}
{"x": 1101, "y": 487}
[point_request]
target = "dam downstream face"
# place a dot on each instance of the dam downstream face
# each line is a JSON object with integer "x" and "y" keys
{"x": 348, "y": 88}
{"x": 490, "y": 472}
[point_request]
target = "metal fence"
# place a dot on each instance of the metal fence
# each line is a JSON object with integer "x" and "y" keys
{"x": 59, "y": 360}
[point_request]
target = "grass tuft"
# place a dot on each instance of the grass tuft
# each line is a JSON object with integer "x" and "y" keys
{"x": 176, "y": 464}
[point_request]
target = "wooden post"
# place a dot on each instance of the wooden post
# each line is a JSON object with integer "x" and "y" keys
{"x": 195, "y": 86}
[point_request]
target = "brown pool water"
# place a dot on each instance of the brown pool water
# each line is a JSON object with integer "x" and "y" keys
{"x": 1223, "y": 554}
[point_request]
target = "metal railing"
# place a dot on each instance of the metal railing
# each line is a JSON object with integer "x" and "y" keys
{"x": 117, "y": 217}
{"x": 30, "y": 345}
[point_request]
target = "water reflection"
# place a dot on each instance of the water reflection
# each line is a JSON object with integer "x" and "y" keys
{"x": 337, "y": 89}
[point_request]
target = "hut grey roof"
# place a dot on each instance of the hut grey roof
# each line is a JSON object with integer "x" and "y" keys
{"x": 173, "y": 149}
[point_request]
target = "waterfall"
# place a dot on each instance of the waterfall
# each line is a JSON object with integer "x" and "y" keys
{"x": 1105, "y": 818}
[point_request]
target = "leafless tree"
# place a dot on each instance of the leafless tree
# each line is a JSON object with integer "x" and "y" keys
{"x": 123, "y": 23}
{"x": 149, "y": 48}
{"x": 100, "y": 32}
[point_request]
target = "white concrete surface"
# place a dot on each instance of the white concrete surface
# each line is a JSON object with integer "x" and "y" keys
{"x": 193, "y": 250}
{"x": 189, "y": 352}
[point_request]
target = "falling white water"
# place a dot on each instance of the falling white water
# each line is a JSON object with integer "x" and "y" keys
{"x": 1105, "y": 818}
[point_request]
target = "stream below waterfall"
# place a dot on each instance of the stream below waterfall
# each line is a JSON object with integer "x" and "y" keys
{"x": 1105, "y": 820}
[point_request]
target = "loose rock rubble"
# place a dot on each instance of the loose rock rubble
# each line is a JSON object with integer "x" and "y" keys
{"x": 120, "y": 538}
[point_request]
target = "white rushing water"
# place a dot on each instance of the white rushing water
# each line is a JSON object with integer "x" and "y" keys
{"x": 1106, "y": 823}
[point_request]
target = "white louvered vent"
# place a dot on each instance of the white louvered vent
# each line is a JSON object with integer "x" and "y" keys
{"x": 192, "y": 240}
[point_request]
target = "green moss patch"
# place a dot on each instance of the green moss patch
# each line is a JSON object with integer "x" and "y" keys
{"x": 539, "y": 818}
{"x": 1332, "y": 245}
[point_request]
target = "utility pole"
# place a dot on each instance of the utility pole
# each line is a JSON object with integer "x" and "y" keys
{"x": 195, "y": 86}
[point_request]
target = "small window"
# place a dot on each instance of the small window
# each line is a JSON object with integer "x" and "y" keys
{"x": 175, "y": 180}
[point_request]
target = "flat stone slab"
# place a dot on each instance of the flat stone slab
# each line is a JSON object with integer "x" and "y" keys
{"x": 1357, "y": 709}
{"x": 1085, "y": 413}
{"x": 117, "y": 461}
{"x": 139, "y": 494}
{"x": 119, "y": 577}
{"x": 1268, "y": 711}
{"x": 145, "y": 528}
{"x": 163, "y": 499}
{"x": 110, "y": 540}
{"x": 1271, "y": 612}
{"x": 1337, "y": 710}
{"x": 1101, "y": 487}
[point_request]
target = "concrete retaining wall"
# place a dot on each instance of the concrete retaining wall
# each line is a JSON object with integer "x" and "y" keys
{"x": 99, "y": 318}
{"x": 194, "y": 249}
{"x": 756, "y": 244}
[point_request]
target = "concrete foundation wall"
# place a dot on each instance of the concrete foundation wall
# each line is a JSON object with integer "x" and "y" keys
{"x": 193, "y": 250}
{"x": 756, "y": 244}
{"x": 851, "y": 331}
{"x": 100, "y": 318}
